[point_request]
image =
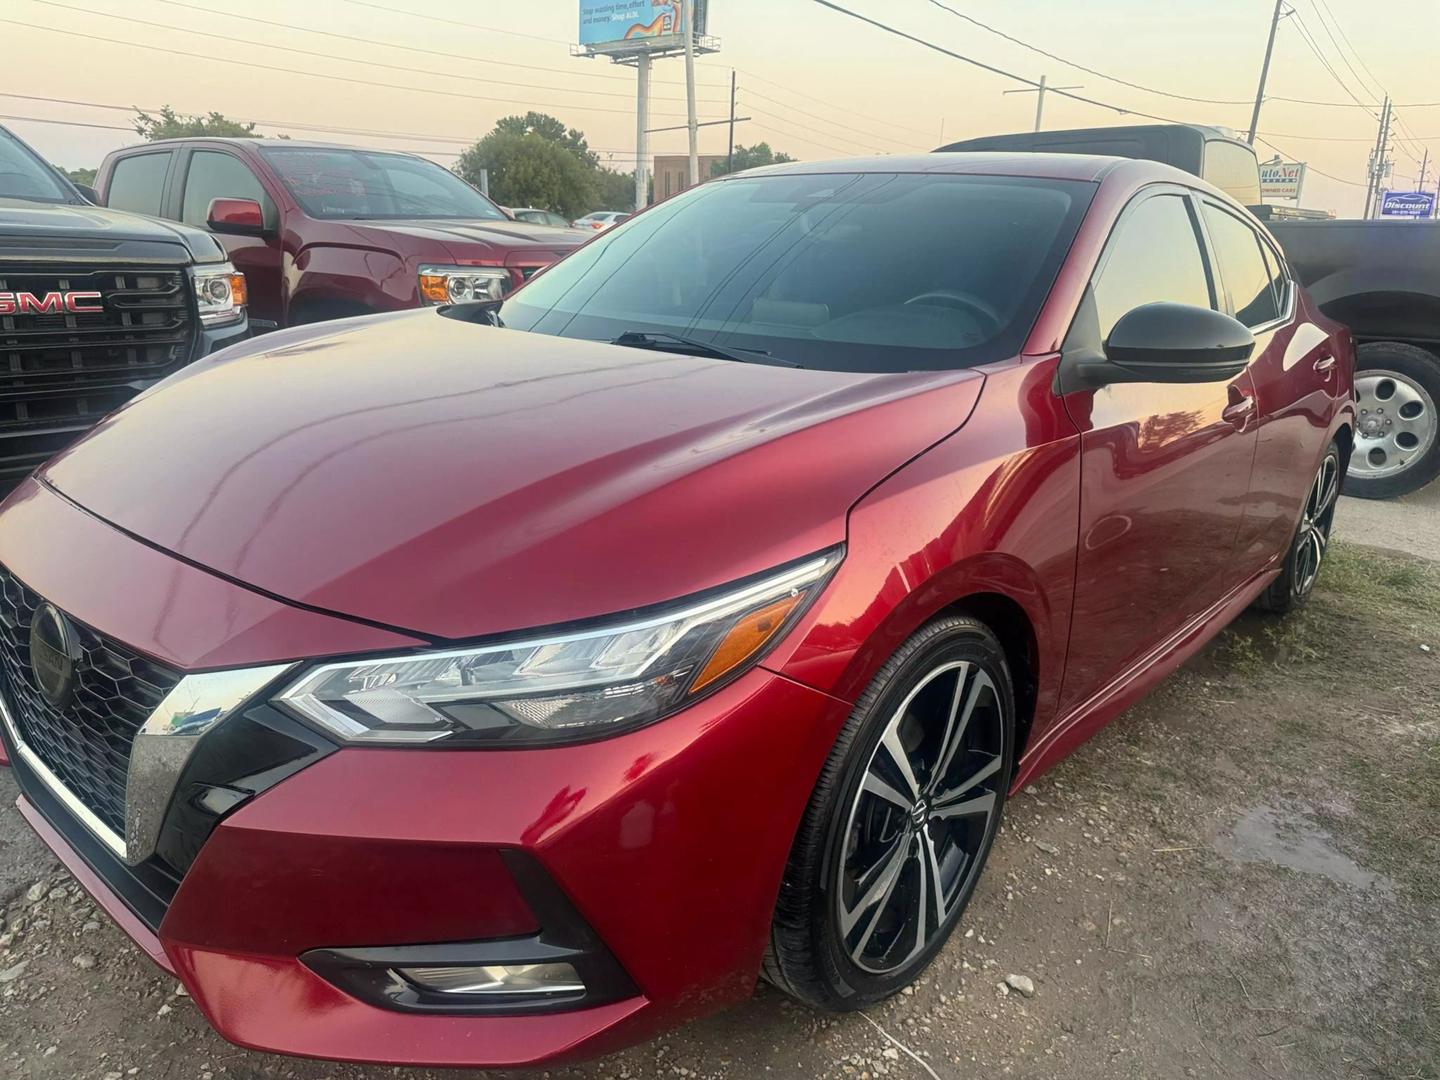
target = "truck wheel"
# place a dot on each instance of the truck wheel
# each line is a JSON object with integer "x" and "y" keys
{"x": 1397, "y": 436}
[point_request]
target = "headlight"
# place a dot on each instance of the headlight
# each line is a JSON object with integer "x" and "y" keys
{"x": 565, "y": 687}
{"x": 460, "y": 284}
{"x": 219, "y": 294}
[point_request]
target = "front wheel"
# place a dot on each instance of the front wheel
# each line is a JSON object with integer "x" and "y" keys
{"x": 901, "y": 821}
{"x": 1397, "y": 431}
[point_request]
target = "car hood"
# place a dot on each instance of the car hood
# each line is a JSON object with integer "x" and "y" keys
{"x": 23, "y": 221}
{"x": 461, "y": 236}
{"x": 457, "y": 480}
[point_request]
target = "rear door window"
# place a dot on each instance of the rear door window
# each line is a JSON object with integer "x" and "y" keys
{"x": 137, "y": 183}
{"x": 215, "y": 175}
{"x": 1154, "y": 256}
{"x": 1242, "y": 267}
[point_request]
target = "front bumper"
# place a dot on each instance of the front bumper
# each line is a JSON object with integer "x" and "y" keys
{"x": 669, "y": 842}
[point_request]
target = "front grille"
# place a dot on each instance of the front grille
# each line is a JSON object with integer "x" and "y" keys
{"x": 60, "y": 373}
{"x": 87, "y": 744}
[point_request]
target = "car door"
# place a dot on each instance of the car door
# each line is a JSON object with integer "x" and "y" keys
{"x": 219, "y": 174}
{"x": 136, "y": 182}
{"x": 1293, "y": 370}
{"x": 1165, "y": 468}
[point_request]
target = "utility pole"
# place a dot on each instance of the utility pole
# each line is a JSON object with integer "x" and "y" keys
{"x": 1424, "y": 169}
{"x": 642, "y": 130}
{"x": 730, "y": 154}
{"x": 1373, "y": 195}
{"x": 691, "y": 120}
{"x": 1265, "y": 70}
{"x": 1039, "y": 90}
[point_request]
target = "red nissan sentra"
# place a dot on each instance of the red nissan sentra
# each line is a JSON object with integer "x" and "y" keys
{"x": 504, "y": 683}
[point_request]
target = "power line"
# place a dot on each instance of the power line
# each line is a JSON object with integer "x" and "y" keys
{"x": 1286, "y": 154}
{"x": 1340, "y": 51}
{"x": 119, "y": 127}
{"x": 992, "y": 68}
{"x": 1323, "y": 6}
{"x": 1079, "y": 66}
{"x": 307, "y": 74}
{"x": 231, "y": 39}
{"x": 407, "y": 48}
{"x": 1304, "y": 31}
{"x": 751, "y": 96}
{"x": 850, "y": 114}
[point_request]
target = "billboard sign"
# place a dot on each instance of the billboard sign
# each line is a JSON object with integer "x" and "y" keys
{"x": 1281, "y": 179}
{"x": 1414, "y": 204}
{"x": 617, "y": 25}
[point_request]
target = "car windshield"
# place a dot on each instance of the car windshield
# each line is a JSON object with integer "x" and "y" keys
{"x": 25, "y": 176}
{"x": 847, "y": 272}
{"x": 359, "y": 185}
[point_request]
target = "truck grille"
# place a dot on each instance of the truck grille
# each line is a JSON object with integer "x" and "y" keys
{"x": 87, "y": 744}
{"x": 60, "y": 373}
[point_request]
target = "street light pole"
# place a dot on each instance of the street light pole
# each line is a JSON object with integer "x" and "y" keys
{"x": 642, "y": 130}
{"x": 1265, "y": 70}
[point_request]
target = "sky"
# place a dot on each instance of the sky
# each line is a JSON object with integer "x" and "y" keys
{"x": 816, "y": 83}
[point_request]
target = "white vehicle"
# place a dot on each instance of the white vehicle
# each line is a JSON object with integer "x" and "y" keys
{"x": 601, "y": 219}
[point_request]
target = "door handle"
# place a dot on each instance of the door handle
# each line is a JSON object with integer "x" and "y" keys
{"x": 1239, "y": 413}
{"x": 1325, "y": 365}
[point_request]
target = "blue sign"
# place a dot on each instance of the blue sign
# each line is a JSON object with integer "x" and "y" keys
{"x": 609, "y": 22}
{"x": 1416, "y": 204}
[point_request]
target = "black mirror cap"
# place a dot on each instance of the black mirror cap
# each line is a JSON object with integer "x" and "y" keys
{"x": 1178, "y": 343}
{"x": 89, "y": 193}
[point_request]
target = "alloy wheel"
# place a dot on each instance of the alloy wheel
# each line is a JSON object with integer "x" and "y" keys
{"x": 921, "y": 819}
{"x": 1315, "y": 521}
{"x": 1396, "y": 426}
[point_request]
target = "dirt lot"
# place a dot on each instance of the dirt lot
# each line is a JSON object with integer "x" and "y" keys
{"x": 1240, "y": 878}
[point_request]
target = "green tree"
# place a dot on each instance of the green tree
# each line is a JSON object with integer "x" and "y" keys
{"x": 614, "y": 190}
{"x": 80, "y": 176}
{"x": 168, "y": 124}
{"x": 750, "y": 157}
{"x": 529, "y": 170}
{"x": 552, "y": 130}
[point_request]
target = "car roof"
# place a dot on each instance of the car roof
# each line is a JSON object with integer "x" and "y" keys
{"x": 1085, "y": 167}
{"x": 289, "y": 144}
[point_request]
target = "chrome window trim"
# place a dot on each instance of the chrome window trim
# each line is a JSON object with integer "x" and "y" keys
{"x": 162, "y": 747}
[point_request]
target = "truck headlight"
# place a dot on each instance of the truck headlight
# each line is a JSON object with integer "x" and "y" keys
{"x": 564, "y": 687}
{"x": 219, "y": 294}
{"x": 462, "y": 284}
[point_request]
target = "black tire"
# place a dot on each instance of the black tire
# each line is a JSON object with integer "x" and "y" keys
{"x": 1306, "y": 555}
{"x": 1423, "y": 369}
{"x": 809, "y": 956}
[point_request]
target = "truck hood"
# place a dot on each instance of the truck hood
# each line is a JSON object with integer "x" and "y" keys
{"x": 462, "y": 237}
{"x": 456, "y": 480}
{"x": 26, "y": 226}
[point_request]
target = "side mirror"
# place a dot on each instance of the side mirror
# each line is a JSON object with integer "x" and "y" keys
{"x": 238, "y": 217}
{"x": 89, "y": 192}
{"x": 1167, "y": 343}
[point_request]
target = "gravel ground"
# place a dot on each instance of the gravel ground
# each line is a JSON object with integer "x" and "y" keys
{"x": 1410, "y": 523}
{"x": 1238, "y": 878}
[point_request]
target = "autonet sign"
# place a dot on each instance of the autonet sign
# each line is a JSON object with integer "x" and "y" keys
{"x": 1281, "y": 180}
{"x": 644, "y": 24}
{"x": 1415, "y": 204}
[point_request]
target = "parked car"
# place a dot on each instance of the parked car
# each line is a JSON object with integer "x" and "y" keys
{"x": 1379, "y": 278}
{"x": 601, "y": 219}
{"x": 95, "y": 306}
{"x": 538, "y": 217}
{"x": 686, "y": 615}
{"x": 326, "y": 232}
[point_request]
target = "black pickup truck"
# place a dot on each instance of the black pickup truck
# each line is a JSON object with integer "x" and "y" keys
{"x": 1380, "y": 278}
{"x": 95, "y": 306}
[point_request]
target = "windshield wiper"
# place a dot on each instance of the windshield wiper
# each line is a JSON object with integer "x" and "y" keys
{"x": 660, "y": 339}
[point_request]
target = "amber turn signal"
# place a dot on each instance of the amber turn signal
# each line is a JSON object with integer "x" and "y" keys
{"x": 747, "y": 637}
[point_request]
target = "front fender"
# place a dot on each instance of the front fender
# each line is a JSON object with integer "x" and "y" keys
{"x": 994, "y": 509}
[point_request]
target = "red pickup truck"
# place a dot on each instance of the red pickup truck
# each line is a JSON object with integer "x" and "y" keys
{"x": 323, "y": 231}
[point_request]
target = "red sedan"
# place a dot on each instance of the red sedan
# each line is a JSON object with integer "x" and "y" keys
{"x": 503, "y": 683}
